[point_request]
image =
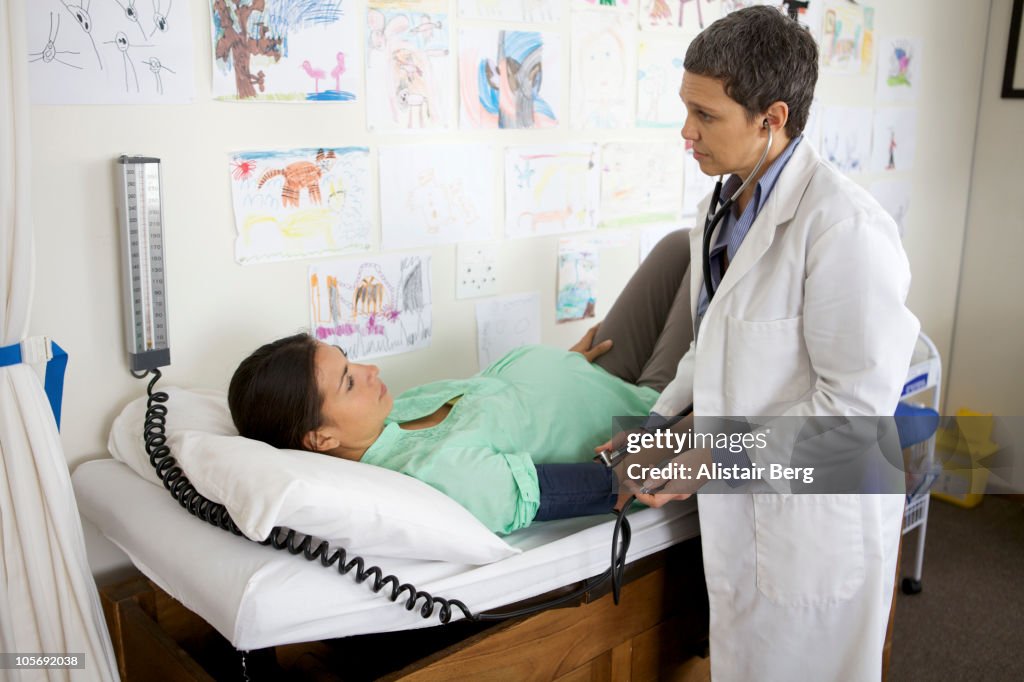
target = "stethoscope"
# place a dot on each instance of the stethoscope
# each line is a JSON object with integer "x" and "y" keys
{"x": 716, "y": 213}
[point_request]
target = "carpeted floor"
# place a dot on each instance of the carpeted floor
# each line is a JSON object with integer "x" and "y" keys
{"x": 968, "y": 621}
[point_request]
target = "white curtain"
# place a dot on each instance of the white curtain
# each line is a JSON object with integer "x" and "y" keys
{"x": 48, "y": 599}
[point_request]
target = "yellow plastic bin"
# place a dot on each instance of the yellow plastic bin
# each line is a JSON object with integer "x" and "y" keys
{"x": 960, "y": 447}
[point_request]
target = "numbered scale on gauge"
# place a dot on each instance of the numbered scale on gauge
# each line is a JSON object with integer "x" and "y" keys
{"x": 145, "y": 274}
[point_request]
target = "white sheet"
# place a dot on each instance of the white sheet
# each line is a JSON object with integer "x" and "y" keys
{"x": 257, "y": 597}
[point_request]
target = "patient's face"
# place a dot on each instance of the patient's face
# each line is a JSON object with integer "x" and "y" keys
{"x": 355, "y": 400}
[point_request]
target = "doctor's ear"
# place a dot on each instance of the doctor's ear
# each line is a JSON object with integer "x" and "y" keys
{"x": 775, "y": 116}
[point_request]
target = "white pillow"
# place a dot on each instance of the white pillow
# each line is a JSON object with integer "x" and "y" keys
{"x": 364, "y": 508}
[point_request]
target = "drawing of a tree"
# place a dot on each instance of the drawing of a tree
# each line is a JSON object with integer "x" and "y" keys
{"x": 246, "y": 28}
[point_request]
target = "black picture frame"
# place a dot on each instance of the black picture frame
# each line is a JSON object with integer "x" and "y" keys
{"x": 1014, "y": 43}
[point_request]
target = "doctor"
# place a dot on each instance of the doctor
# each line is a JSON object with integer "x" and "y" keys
{"x": 807, "y": 319}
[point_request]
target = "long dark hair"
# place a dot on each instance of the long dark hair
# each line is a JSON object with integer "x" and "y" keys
{"x": 273, "y": 394}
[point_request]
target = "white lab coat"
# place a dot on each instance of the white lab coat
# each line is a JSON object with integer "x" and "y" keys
{"x": 809, "y": 319}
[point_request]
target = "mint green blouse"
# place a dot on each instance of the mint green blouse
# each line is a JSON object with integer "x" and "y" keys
{"x": 535, "y": 405}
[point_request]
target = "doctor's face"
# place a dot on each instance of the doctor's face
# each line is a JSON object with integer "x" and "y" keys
{"x": 354, "y": 399}
{"x": 723, "y": 138}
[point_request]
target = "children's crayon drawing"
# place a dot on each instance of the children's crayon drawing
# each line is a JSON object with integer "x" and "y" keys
{"x": 285, "y": 50}
{"x": 436, "y": 194}
{"x": 109, "y": 51}
{"x": 641, "y": 182}
{"x": 551, "y": 189}
{"x": 847, "y": 37}
{"x": 620, "y": 7}
{"x": 577, "y": 280}
{"x": 604, "y": 50}
{"x": 506, "y": 323}
{"x": 509, "y": 79}
{"x": 658, "y": 77}
{"x": 894, "y": 140}
{"x": 407, "y": 60}
{"x": 300, "y": 203}
{"x": 374, "y": 306}
{"x": 538, "y": 11}
{"x": 806, "y": 12}
{"x": 899, "y": 69}
{"x": 846, "y": 138}
{"x": 691, "y": 16}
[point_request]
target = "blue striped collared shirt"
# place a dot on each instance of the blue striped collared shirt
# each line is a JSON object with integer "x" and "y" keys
{"x": 734, "y": 229}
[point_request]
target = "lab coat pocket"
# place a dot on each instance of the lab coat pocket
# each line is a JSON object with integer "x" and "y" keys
{"x": 766, "y": 364}
{"x": 810, "y": 548}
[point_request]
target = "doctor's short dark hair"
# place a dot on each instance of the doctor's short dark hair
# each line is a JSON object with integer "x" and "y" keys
{"x": 273, "y": 395}
{"x": 762, "y": 56}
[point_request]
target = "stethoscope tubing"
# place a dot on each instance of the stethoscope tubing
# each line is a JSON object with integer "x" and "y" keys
{"x": 717, "y": 213}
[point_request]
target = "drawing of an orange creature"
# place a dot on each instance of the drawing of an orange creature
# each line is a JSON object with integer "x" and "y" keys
{"x": 369, "y": 297}
{"x": 301, "y": 175}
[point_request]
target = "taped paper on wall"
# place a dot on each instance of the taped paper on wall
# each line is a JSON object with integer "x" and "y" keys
{"x": 512, "y": 10}
{"x": 435, "y": 194}
{"x": 659, "y": 73}
{"x": 894, "y": 140}
{"x": 286, "y": 50}
{"x": 551, "y": 189}
{"x": 407, "y": 65}
{"x": 509, "y": 79}
{"x": 846, "y": 137}
{"x": 506, "y": 323}
{"x": 899, "y": 69}
{"x": 114, "y": 52}
{"x": 300, "y": 203}
{"x": 641, "y": 182}
{"x": 372, "y": 307}
{"x": 603, "y": 53}
{"x": 476, "y": 270}
{"x": 578, "y": 263}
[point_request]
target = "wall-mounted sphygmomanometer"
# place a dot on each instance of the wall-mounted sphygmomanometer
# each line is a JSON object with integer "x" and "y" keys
{"x": 148, "y": 343}
{"x": 144, "y": 268}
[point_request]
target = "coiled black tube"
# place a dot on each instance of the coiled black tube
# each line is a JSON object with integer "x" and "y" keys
{"x": 173, "y": 477}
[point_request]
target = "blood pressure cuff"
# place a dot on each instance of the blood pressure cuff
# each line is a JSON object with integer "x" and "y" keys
{"x": 579, "y": 489}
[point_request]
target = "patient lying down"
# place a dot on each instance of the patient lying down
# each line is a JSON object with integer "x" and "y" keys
{"x": 512, "y": 444}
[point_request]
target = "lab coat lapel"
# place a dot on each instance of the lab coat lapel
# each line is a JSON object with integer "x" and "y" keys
{"x": 779, "y": 210}
{"x": 697, "y": 256}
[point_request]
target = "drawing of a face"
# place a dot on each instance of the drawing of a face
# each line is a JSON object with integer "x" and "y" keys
{"x": 121, "y": 40}
{"x": 154, "y": 64}
{"x": 603, "y": 69}
{"x": 160, "y": 16}
{"x": 81, "y": 15}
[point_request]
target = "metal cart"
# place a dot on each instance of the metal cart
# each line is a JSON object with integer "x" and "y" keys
{"x": 923, "y": 388}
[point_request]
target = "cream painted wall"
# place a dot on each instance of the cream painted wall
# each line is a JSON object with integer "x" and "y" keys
{"x": 986, "y": 370}
{"x": 220, "y": 310}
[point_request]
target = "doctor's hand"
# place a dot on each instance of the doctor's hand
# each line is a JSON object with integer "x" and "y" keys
{"x": 658, "y": 500}
{"x": 584, "y": 345}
